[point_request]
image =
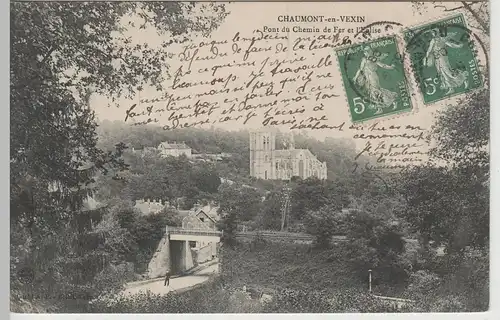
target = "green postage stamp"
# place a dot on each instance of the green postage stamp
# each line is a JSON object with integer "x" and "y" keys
{"x": 443, "y": 58}
{"x": 374, "y": 79}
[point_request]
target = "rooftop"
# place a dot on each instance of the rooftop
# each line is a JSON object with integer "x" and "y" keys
{"x": 291, "y": 152}
{"x": 211, "y": 211}
{"x": 147, "y": 207}
{"x": 173, "y": 145}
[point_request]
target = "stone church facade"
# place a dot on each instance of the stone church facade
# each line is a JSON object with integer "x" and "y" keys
{"x": 270, "y": 164}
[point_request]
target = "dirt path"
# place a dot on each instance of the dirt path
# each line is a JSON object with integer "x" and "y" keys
{"x": 157, "y": 287}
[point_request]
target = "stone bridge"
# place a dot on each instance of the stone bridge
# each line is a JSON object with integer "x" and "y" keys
{"x": 181, "y": 234}
{"x": 174, "y": 251}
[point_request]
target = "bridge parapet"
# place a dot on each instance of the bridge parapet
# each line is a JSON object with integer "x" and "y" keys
{"x": 193, "y": 232}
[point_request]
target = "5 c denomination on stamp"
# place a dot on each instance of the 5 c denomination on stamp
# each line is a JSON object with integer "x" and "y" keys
{"x": 374, "y": 79}
{"x": 443, "y": 58}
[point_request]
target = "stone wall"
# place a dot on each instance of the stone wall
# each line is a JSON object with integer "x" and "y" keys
{"x": 176, "y": 256}
{"x": 187, "y": 257}
{"x": 160, "y": 263}
{"x": 205, "y": 253}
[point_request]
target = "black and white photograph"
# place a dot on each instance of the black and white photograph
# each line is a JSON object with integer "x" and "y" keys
{"x": 249, "y": 157}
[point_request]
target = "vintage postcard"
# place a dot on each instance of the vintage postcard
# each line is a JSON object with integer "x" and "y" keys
{"x": 249, "y": 157}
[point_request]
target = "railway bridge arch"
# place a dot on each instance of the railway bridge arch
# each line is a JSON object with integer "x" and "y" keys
{"x": 174, "y": 252}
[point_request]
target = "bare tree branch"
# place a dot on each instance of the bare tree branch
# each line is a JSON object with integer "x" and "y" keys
{"x": 483, "y": 24}
{"x": 446, "y": 9}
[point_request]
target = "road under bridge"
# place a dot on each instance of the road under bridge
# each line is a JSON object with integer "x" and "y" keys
{"x": 174, "y": 252}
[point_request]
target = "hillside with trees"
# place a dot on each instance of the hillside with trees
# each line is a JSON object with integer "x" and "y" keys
{"x": 424, "y": 232}
{"x": 59, "y": 257}
{"x": 336, "y": 152}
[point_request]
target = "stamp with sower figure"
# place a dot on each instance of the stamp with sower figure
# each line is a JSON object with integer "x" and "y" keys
{"x": 374, "y": 79}
{"x": 443, "y": 58}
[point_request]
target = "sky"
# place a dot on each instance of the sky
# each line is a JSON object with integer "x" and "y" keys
{"x": 245, "y": 17}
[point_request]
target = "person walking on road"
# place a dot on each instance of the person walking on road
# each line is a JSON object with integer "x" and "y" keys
{"x": 167, "y": 279}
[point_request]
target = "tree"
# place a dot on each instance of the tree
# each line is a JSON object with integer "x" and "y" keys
{"x": 447, "y": 207}
{"x": 228, "y": 225}
{"x": 172, "y": 178}
{"x": 463, "y": 133}
{"x": 323, "y": 224}
{"x": 380, "y": 204}
{"x": 245, "y": 202}
{"x": 143, "y": 232}
{"x": 270, "y": 215}
{"x": 308, "y": 194}
{"x": 147, "y": 231}
{"x": 236, "y": 203}
{"x": 118, "y": 242}
{"x": 375, "y": 243}
{"x": 206, "y": 179}
{"x": 60, "y": 54}
{"x": 450, "y": 204}
{"x": 126, "y": 215}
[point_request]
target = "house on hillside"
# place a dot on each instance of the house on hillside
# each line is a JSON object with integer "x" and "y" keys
{"x": 211, "y": 157}
{"x": 212, "y": 211}
{"x": 174, "y": 149}
{"x": 199, "y": 221}
{"x": 145, "y": 151}
{"x": 148, "y": 207}
{"x": 202, "y": 218}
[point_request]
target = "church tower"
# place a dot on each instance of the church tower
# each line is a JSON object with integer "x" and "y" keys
{"x": 289, "y": 141}
{"x": 262, "y": 146}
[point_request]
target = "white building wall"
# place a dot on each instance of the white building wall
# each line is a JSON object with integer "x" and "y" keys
{"x": 176, "y": 152}
{"x": 262, "y": 146}
{"x": 263, "y": 157}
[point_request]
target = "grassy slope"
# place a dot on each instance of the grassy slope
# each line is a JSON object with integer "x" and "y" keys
{"x": 274, "y": 266}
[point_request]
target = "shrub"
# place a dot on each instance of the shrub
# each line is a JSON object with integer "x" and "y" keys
{"x": 240, "y": 302}
{"x": 448, "y": 304}
{"x": 354, "y": 301}
{"x": 208, "y": 298}
{"x": 323, "y": 224}
{"x": 376, "y": 244}
{"x": 258, "y": 241}
{"x": 347, "y": 301}
{"x": 468, "y": 278}
{"x": 113, "y": 277}
{"x": 423, "y": 282}
{"x": 297, "y": 228}
{"x": 299, "y": 301}
{"x": 361, "y": 256}
{"x": 277, "y": 265}
{"x": 458, "y": 283}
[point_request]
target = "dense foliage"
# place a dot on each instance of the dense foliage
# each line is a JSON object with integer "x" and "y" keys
{"x": 337, "y": 153}
{"x": 172, "y": 179}
{"x": 450, "y": 205}
{"x": 214, "y": 297}
{"x": 274, "y": 266}
{"x": 65, "y": 253}
{"x": 324, "y": 223}
{"x": 60, "y": 54}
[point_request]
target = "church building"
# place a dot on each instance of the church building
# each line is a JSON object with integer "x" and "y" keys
{"x": 270, "y": 164}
